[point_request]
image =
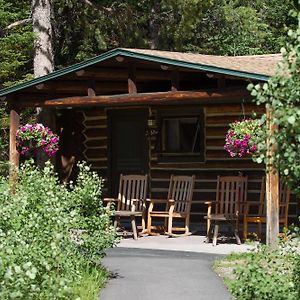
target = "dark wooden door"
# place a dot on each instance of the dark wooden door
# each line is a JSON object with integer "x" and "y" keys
{"x": 128, "y": 145}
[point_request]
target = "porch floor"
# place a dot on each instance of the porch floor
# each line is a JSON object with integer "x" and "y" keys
{"x": 193, "y": 243}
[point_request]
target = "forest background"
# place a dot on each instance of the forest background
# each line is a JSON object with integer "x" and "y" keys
{"x": 86, "y": 28}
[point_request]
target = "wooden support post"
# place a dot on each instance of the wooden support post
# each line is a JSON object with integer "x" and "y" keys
{"x": 272, "y": 186}
{"x": 13, "y": 153}
{"x": 132, "y": 89}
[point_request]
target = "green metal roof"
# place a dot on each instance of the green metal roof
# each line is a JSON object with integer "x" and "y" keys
{"x": 135, "y": 55}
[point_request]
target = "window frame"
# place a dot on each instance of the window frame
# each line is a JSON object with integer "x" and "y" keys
{"x": 178, "y": 113}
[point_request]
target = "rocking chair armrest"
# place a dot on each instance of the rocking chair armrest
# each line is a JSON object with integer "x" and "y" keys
{"x": 210, "y": 202}
{"x": 158, "y": 201}
{"x": 111, "y": 200}
{"x": 137, "y": 200}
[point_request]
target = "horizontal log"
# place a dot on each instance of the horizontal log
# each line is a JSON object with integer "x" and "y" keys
{"x": 233, "y": 109}
{"x": 96, "y": 143}
{"x": 95, "y": 153}
{"x": 95, "y": 132}
{"x": 224, "y": 119}
{"x": 99, "y": 112}
{"x": 235, "y": 163}
{"x": 99, "y": 164}
{"x": 215, "y": 142}
{"x": 95, "y": 123}
{"x": 216, "y": 131}
{"x": 159, "y": 98}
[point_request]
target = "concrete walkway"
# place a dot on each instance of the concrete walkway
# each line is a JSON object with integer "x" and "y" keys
{"x": 193, "y": 243}
{"x": 143, "y": 274}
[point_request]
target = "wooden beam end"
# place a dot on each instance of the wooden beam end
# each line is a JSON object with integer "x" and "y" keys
{"x": 40, "y": 86}
{"x": 80, "y": 73}
{"x": 120, "y": 58}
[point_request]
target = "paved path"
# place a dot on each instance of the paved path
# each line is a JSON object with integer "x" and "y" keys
{"x": 143, "y": 274}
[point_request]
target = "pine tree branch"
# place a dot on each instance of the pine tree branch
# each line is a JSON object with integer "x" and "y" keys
{"x": 89, "y": 3}
{"x": 18, "y": 23}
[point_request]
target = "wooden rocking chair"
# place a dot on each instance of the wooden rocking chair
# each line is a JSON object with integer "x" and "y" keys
{"x": 131, "y": 201}
{"x": 230, "y": 195}
{"x": 255, "y": 212}
{"x": 178, "y": 205}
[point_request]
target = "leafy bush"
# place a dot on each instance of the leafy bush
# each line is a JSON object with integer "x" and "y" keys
{"x": 281, "y": 95}
{"x": 40, "y": 257}
{"x": 268, "y": 274}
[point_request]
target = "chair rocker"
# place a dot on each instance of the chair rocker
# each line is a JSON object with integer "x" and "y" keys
{"x": 131, "y": 201}
{"x": 231, "y": 193}
{"x": 177, "y": 206}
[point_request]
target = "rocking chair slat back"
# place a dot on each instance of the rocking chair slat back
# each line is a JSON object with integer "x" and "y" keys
{"x": 181, "y": 190}
{"x": 132, "y": 187}
{"x": 231, "y": 194}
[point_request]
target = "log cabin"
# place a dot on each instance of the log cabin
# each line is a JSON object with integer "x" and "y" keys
{"x": 135, "y": 111}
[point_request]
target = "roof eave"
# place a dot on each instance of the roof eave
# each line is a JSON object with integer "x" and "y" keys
{"x": 132, "y": 54}
{"x": 195, "y": 66}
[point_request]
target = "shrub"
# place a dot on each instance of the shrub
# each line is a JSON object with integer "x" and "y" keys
{"x": 268, "y": 274}
{"x": 281, "y": 96}
{"x": 38, "y": 256}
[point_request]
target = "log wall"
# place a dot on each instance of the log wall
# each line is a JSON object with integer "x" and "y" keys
{"x": 217, "y": 162}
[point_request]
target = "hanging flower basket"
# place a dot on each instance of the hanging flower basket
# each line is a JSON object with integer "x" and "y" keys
{"x": 34, "y": 137}
{"x": 241, "y": 138}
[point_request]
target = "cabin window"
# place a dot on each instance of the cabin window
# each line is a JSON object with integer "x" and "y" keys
{"x": 182, "y": 136}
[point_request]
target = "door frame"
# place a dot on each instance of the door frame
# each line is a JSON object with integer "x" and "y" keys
{"x": 111, "y": 114}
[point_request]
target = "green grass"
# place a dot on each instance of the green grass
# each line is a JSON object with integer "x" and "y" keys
{"x": 92, "y": 281}
{"x": 224, "y": 267}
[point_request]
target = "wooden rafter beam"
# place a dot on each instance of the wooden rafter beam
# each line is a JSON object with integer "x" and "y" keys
{"x": 159, "y": 98}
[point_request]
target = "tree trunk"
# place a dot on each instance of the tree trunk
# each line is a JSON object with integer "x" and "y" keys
{"x": 43, "y": 60}
{"x": 154, "y": 24}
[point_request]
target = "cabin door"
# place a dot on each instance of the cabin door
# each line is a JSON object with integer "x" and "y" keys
{"x": 128, "y": 145}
